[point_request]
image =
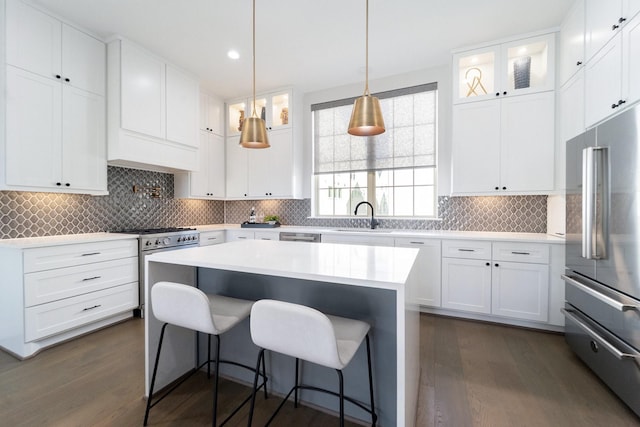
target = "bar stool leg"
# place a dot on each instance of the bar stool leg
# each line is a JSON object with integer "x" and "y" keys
{"x": 341, "y": 397}
{"x": 255, "y": 385}
{"x": 295, "y": 385}
{"x": 216, "y": 373}
{"x": 264, "y": 378}
{"x": 374, "y": 417}
{"x": 208, "y": 355}
{"x": 153, "y": 377}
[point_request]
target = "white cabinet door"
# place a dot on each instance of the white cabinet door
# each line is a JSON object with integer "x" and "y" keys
{"x": 182, "y": 107}
{"x": 631, "y": 61}
{"x": 216, "y": 166}
{"x": 142, "y": 92}
{"x": 267, "y": 235}
{"x": 211, "y": 114}
{"x": 270, "y": 170}
{"x": 528, "y": 143}
{"x": 236, "y": 168}
{"x": 428, "y": 264}
{"x": 466, "y": 285}
{"x": 84, "y": 151}
{"x": 601, "y": 21}
{"x": 631, "y": 8}
{"x": 240, "y": 234}
{"x": 603, "y": 82}
{"x": 33, "y": 40}
{"x": 572, "y": 42}
{"x": 208, "y": 238}
{"x": 199, "y": 180}
{"x": 83, "y": 61}
{"x": 368, "y": 239}
{"x": 520, "y": 290}
{"x": 572, "y": 108}
{"x": 476, "y": 147}
{"x": 34, "y": 134}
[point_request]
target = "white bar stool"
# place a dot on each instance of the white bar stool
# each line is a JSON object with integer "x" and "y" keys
{"x": 188, "y": 307}
{"x": 306, "y": 333}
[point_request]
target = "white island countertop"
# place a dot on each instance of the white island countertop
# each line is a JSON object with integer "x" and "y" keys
{"x": 370, "y": 266}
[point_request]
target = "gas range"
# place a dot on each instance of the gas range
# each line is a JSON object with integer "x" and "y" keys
{"x": 164, "y": 238}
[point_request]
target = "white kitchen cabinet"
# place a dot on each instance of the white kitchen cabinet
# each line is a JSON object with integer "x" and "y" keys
{"x": 266, "y": 235}
{"x": 504, "y": 146}
{"x": 428, "y": 292}
{"x": 520, "y": 281}
{"x": 274, "y": 172}
{"x": 365, "y": 238}
{"x": 57, "y": 292}
{"x": 208, "y": 182}
{"x": 572, "y": 42}
{"x": 239, "y": 234}
{"x": 214, "y": 237}
{"x": 572, "y": 108}
{"x": 211, "y": 114}
{"x": 153, "y": 111}
{"x": 55, "y": 137}
{"x": 517, "y": 67}
{"x": 603, "y": 20}
{"x": 466, "y": 285}
{"x": 631, "y": 61}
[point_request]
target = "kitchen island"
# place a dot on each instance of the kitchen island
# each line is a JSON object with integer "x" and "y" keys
{"x": 369, "y": 283}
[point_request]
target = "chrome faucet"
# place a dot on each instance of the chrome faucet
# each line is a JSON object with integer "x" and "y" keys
{"x": 374, "y": 222}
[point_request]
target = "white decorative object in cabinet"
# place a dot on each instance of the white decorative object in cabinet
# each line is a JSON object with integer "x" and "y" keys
{"x": 54, "y": 98}
{"x": 428, "y": 266}
{"x": 572, "y": 42}
{"x": 209, "y": 181}
{"x": 153, "y": 111}
{"x": 504, "y": 146}
{"x": 208, "y": 238}
{"x": 520, "y": 281}
{"x": 211, "y": 114}
{"x": 466, "y": 275}
{"x": 513, "y": 68}
{"x": 274, "y": 172}
{"x": 56, "y": 292}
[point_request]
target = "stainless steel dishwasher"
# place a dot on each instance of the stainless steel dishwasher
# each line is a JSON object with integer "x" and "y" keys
{"x": 289, "y": 236}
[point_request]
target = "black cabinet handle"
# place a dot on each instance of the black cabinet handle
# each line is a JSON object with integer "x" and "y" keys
{"x": 67, "y": 185}
{"x": 91, "y": 308}
{"x": 58, "y": 76}
{"x": 496, "y": 264}
{"x": 614, "y": 105}
{"x": 622, "y": 101}
{"x": 621, "y": 20}
{"x": 58, "y": 183}
{"x": 614, "y": 27}
{"x": 579, "y": 63}
{"x": 67, "y": 79}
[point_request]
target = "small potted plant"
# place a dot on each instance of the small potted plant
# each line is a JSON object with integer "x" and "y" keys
{"x": 272, "y": 219}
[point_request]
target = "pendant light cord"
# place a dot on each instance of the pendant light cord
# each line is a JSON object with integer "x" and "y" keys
{"x": 253, "y": 113}
{"x": 366, "y": 80}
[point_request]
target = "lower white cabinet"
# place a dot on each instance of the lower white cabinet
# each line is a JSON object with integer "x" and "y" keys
{"x": 508, "y": 279}
{"x": 60, "y": 290}
{"x": 371, "y": 239}
{"x": 428, "y": 292}
{"x": 252, "y": 234}
{"x": 208, "y": 238}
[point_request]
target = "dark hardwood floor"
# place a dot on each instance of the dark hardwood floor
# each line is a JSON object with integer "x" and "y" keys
{"x": 472, "y": 374}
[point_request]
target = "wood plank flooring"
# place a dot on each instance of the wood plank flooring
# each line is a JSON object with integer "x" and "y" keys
{"x": 472, "y": 374}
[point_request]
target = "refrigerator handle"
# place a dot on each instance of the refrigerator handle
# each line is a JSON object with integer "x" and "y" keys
{"x": 595, "y": 203}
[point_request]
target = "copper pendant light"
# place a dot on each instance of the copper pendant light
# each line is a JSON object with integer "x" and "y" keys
{"x": 254, "y": 130}
{"x": 366, "y": 117}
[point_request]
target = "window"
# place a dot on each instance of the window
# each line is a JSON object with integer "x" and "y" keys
{"x": 396, "y": 171}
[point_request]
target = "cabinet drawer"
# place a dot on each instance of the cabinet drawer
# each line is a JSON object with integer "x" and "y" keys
{"x": 51, "y": 257}
{"x": 470, "y": 249}
{"x": 208, "y": 238}
{"x": 521, "y": 252}
{"x": 59, "y": 316}
{"x": 50, "y": 285}
{"x": 267, "y": 235}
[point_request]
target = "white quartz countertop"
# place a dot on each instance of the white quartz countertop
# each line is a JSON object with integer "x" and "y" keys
{"x": 65, "y": 239}
{"x": 428, "y": 234}
{"x": 370, "y": 266}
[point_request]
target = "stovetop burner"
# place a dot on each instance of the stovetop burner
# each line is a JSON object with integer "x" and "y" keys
{"x": 153, "y": 230}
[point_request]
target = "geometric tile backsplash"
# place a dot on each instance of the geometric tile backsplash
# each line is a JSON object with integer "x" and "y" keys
{"x": 26, "y": 214}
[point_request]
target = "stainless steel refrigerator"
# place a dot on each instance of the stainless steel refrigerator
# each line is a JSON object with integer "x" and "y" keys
{"x": 602, "y": 281}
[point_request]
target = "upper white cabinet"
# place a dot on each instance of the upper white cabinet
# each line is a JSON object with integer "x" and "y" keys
{"x": 504, "y": 146}
{"x": 153, "y": 111}
{"x": 274, "y": 172}
{"x": 513, "y": 68}
{"x": 603, "y": 21}
{"x": 208, "y": 182}
{"x": 55, "y": 106}
{"x": 572, "y": 42}
{"x": 211, "y": 114}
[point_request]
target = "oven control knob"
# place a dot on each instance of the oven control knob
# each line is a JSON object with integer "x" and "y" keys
{"x": 166, "y": 241}
{"x": 148, "y": 243}
{"x": 179, "y": 239}
{"x": 157, "y": 242}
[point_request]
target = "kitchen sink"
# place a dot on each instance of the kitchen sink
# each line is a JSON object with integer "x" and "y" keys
{"x": 362, "y": 230}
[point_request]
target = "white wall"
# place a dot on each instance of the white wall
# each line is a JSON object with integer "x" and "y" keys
{"x": 441, "y": 75}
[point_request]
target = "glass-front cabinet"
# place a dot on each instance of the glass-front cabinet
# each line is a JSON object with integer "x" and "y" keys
{"x": 273, "y": 107}
{"x": 514, "y": 68}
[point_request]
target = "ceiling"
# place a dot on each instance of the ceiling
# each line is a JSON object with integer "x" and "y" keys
{"x": 310, "y": 45}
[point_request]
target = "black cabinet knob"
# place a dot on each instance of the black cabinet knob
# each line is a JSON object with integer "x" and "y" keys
{"x": 621, "y": 20}
{"x": 504, "y": 93}
{"x": 504, "y": 188}
{"x": 67, "y": 185}
{"x": 488, "y": 264}
{"x": 497, "y": 93}
{"x": 579, "y": 63}
{"x": 614, "y": 106}
{"x": 496, "y": 264}
{"x": 67, "y": 79}
{"x": 622, "y": 101}
{"x": 58, "y": 76}
{"x": 58, "y": 183}
{"x": 615, "y": 27}
{"x": 497, "y": 188}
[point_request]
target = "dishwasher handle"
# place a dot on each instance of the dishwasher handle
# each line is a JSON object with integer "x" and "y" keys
{"x": 300, "y": 237}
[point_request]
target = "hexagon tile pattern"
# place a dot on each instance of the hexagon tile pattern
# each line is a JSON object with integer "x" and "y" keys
{"x": 24, "y": 214}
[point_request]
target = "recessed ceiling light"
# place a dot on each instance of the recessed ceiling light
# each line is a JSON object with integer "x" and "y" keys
{"x": 233, "y": 54}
